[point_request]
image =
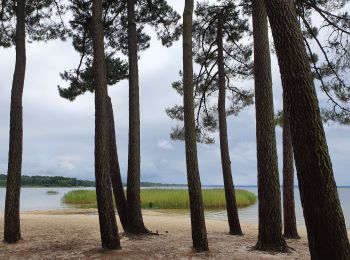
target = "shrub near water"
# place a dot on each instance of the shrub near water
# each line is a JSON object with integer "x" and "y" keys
{"x": 166, "y": 198}
{"x": 51, "y": 192}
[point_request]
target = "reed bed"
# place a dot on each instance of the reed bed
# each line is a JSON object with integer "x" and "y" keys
{"x": 165, "y": 198}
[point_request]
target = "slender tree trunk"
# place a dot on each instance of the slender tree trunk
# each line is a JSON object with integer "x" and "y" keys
{"x": 12, "y": 229}
{"x": 116, "y": 178}
{"x": 323, "y": 215}
{"x": 108, "y": 225}
{"x": 290, "y": 224}
{"x": 270, "y": 220}
{"x": 135, "y": 219}
{"x": 231, "y": 207}
{"x": 199, "y": 233}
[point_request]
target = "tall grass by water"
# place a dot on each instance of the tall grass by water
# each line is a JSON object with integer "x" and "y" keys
{"x": 166, "y": 198}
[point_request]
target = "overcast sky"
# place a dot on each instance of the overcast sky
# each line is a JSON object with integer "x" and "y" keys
{"x": 59, "y": 134}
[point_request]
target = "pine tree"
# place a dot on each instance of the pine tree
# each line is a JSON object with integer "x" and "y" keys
{"x": 108, "y": 224}
{"x": 161, "y": 16}
{"x": 269, "y": 195}
{"x": 319, "y": 197}
{"x": 217, "y": 33}
{"x": 199, "y": 233}
{"x": 289, "y": 218}
{"x": 115, "y": 20}
{"x": 34, "y": 21}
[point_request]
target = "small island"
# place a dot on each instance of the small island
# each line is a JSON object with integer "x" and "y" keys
{"x": 165, "y": 198}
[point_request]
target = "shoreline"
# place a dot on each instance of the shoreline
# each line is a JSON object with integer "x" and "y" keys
{"x": 74, "y": 234}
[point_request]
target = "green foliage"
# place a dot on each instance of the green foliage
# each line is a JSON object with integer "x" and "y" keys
{"x": 156, "y": 13}
{"x": 82, "y": 81}
{"x": 328, "y": 45}
{"x": 166, "y": 198}
{"x": 49, "y": 181}
{"x": 43, "y": 21}
{"x": 237, "y": 63}
{"x": 279, "y": 118}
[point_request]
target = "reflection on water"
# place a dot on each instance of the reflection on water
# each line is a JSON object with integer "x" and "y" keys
{"x": 38, "y": 199}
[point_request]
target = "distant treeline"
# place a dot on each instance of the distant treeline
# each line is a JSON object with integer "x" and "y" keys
{"x": 49, "y": 181}
{"x": 59, "y": 181}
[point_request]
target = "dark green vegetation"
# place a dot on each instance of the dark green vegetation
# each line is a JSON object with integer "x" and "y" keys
{"x": 48, "y": 181}
{"x": 166, "y": 198}
{"x": 59, "y": 181}
{"x": 52, "y": 192}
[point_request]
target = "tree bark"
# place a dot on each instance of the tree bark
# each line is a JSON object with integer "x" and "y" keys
{"x": 12, "y": 229}
{"x": 270, "y": 220}
{"x": 116, "y": 178}
{"x": 231, "y": 207}
{"x": 323, "y": 215}
{"x": 290, "y": 225}
{"x": 108, "y": 225}
{"x": 135, "y": 219}
{"x": 199, "y": 233}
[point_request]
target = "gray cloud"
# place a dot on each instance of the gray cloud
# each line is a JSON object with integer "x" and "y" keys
{"x": 58, "y": 134}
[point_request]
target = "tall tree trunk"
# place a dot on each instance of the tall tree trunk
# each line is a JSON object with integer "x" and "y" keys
{"x": 199, "y": 233}
{"x": 116, "y": 178}
{"x": 135, "y": 219}
{"x": 231, "y": 207}
{"x": 270, "y": 220}
{"x": 108, "y": 225}
{"x": 12, "y": 229}
{"x": 290, "y": 225}
{"x": 323, "y": 215}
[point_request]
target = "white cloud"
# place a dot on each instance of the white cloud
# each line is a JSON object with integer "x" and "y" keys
{"x": 165, "y": 145}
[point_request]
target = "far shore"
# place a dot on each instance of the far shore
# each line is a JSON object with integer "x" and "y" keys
{"x": 74, "y": 234}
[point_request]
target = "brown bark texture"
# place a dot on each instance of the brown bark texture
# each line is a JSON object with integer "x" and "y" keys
{"x": 199, "y": 233}
{"x": 107, "y": 220}
{"x": 12, "y": 229}
{"x": 289, "y": 219}
{"x": 323, "y": 215}
{"x": 231, "y": 207}
{"x": 270, "y": 236}
{"x": 116, "y": 178}
{"x": 135, "y": 219}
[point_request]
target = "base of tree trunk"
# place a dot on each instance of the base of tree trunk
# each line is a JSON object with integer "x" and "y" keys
{"x": 281, "y": 247}
{"x": 236, "y": 233}
{"x": 200, "y": 249}
{"x": 137, "y": 231}
{"x": 292, "y": 236}
{"x": 12, "y": 239}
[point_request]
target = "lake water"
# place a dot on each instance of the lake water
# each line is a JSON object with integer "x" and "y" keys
{"x": 37, "y": 199}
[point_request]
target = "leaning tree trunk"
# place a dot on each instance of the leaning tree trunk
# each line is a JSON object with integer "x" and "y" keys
{"x": 231, "y": 207}
{"x": 270, "y": 220}
{"x": 116, "y": 178}
{"x": 323, "y": 215}
{"x": 135, "y": 219}
{"x": 199, "y": 233}
{"x": 290, "y": 225}
{"x": 12, "y": 229}
{"x": 108, "y": 225}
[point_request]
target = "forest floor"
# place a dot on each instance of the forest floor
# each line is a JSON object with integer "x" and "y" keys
{"x": 74, "y": 234}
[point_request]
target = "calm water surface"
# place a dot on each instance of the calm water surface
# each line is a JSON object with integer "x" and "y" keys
{"x": 38, "y": 199}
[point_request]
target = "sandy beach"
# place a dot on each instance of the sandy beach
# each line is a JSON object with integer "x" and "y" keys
{"x": 74, "y": 234}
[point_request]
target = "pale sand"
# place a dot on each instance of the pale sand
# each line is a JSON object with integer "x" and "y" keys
{"x": 74, "y": 234}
